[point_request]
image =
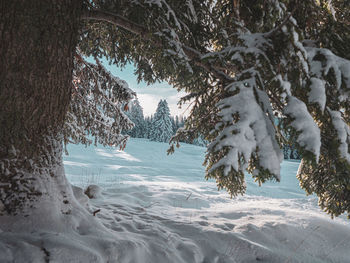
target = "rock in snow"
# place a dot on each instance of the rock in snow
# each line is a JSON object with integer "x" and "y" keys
{"x": 93, "y": 191}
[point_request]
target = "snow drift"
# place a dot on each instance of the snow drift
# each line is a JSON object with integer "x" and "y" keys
{"x": 158, "y": 208}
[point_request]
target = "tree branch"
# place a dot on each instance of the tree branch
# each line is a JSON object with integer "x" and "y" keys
{"x": 194, "y": 55}
{"x": 115, "y": 19}
{"x": 279, "y": 27}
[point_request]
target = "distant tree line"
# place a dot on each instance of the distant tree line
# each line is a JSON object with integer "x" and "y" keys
{"x": 289, "y": 147}
{"x": 159, "y": 127}
{"x": 290, "y": 152}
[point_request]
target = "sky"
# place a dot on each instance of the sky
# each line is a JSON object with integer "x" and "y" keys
{"x": 149, "y": 96}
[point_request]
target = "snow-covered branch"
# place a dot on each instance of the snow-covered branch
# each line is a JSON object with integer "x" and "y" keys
{"x": 96, "y": 110}
{"x": 119, "y": 21}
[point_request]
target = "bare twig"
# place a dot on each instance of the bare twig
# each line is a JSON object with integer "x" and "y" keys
{"x": 96, "y": 211}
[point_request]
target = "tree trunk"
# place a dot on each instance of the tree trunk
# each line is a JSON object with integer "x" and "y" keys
{"x": 37, "y": 45}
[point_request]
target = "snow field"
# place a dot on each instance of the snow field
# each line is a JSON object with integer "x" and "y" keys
{"x": 160, "y": 209}
{"x": 150, "y": 208}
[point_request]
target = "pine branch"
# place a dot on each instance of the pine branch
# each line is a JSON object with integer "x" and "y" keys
{"x": 101, "y": 15}
{"x": 285, "y": 21}
{"x": 88, "y": 65}
{"x": 194, "y": 55}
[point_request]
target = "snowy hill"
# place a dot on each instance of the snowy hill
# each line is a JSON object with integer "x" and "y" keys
{"x": 161, "y": 209}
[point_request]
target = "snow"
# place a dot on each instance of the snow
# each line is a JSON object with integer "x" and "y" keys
{"x": 168, "y": 213}
{"x": 190, "y": 6}
{"x": 343, "y": 131}
{"x": 310, "y": 136}
{"x": 322, "y": 61}
{"x": 160, "y": 209}
{"x": 251, "y": 43}
{"x": 93, "y": 191}
{"x": 301, "y": 53}
{"x": 253, "y": 130}
{"x": 286, "y": 86}
{"x": 161, "y": 129}
{"x": 318, "y": 92}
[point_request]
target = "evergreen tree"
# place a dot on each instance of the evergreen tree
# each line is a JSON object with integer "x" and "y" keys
{"x": 289, "y": 146}
{"x": 162, "y": 127}
{"x": 290, "y": 152}
{"x": 284, "y": 58}
{"x": 149, "y": 127}
{"x": 177, "y": 123}
{"x": 135, "y": 114}
{"x": 200, "y": 141}
{"x": 241, "y": 62}
{"x": 286, "y": 152}
{"x": 173, "y": 124}
{"x": 148, "y": 124}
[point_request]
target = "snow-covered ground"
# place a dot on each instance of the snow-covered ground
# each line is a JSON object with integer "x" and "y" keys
{"x": 159, "y": 208}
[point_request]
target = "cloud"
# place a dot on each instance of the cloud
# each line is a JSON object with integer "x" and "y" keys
{"x": 149, "y": 100}
{"x": 149, "y": 95}
{"x": 148, "y": 103}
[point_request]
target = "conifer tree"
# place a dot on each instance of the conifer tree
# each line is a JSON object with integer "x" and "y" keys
{"x": 148, "y": 126}
{"x": 200, "y": 141}
{"x": 162, "y": 127}
{"x": 135, "y": 113}
{"x": 277, "y": 58}
{"x": 241, "y": 62}
{"x": 177, "y": 123}
{"x": 172, "y": 118}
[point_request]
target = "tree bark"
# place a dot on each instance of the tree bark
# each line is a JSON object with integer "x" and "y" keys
{"x": 37, "y": 46}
